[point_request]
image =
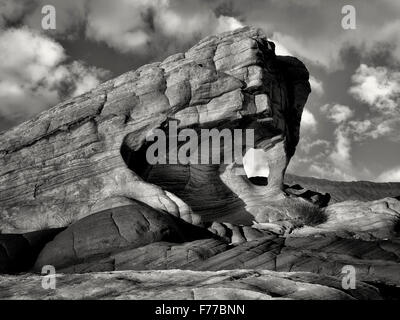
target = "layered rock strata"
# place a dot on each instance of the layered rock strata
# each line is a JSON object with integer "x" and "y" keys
{"x": 87, "y": 152}
{"x": 186, "y": 285}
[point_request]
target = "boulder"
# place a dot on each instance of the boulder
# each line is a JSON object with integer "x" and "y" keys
{"x": 114, "y": 230}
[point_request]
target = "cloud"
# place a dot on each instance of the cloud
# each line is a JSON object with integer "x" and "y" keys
{"x": 374, "y": 128}
{"x": 308, "y": 122}
{"x": 255, "y": 163}
{"x": 309, "y": 145}
{"x": 326, "y": 55}
{"x": 304, "y": 3}
{"x": 227, "y": 24}
{"x": 316, "y": 85}
{"x": 123, "y": 25}
{"x": 132, "y": 26}
{"x": 378, "y": 87}
{"x": 337, "y": 113}
{"x": 328, "y": 171}
{"x": 11, "y": 11}
{"x": 34, "y": 75}
{"x": 280, "y": 49}
{"x": 341, "y": 155}
{"x": 325, "y": 159}
{"x": 70, "y": 16}
{"x": 331, "y": 161}
{"x": 392, "y": 175}
{"x": 312, "y": 29}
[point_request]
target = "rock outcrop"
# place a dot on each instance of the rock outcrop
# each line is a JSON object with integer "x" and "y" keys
{"x": 114, "y": 229}
{"x": 186, "y": 285}
{"x": 65, "y": 163}
{"x": 341, "y": 191}
{"x": 322, "y": 253}
{"x": 77, "y": 191}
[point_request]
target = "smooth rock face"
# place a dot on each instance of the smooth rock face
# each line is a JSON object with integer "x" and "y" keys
{"x": 114, "y": 229}
{"x": 186, "y": 285}
{"x": 62, "y": 165}
{"x": 375, "y": 219}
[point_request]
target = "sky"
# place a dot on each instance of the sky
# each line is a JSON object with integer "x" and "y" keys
{"x": 350, "y": 125}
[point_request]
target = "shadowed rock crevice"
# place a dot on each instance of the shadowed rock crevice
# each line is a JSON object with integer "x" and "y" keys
{"x": 18, "y": 252}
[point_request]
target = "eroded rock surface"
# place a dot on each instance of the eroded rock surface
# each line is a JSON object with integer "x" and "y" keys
{"x": 186, "y": 285}
{"x": 62, "y": 165}
{"x": 342, "y": 191}
{"x": 326, "y": 254}
{"x": 114, "y": 229}
{"x": 77, "y": 192}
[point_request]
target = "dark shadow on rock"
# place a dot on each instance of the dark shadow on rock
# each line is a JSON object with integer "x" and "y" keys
{"x": 18, "y": 252}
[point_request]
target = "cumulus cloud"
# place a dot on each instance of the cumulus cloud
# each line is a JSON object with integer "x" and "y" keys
{"x": 316, "y": 85}
{"x": 123, "y": 25}
{"x": 337, "y": 113}
{"x": 325, "y": 159}
{"x": 321, "y": 39}
{"x": 329, "y": 171}
{"x": 308, "y": 122}
{"x": 341, "y": 155}
{"x": 131, "y": 26}
{"x": 34, "y": 75}
{"x": 392, "y": 175}
{"x": 11, "y": 11}
{"x": 309, "y": 145}
{"x": 326, "y": 55}
{"x": 378, "y": 87}
{"x": 332, "y": 160}
{"x": 137, "y": 26}
{"x": 280, "y": 49}
{"x": 70, "y": 16}
{"x": 255, "y": 163}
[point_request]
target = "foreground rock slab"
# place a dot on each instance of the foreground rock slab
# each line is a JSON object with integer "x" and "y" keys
{"x": 185, "y": 285}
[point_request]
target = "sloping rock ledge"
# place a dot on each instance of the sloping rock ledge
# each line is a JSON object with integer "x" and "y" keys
{"x": 186, "y": 285}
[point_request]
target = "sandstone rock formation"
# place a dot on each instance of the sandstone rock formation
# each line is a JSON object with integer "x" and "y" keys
{"x": 65, "y": 163}
{"x": 111, "y": 230}
{"x": 77, "y": 192}
{"x": 342, "y": 191}
{"x": 186, "y": 285}
{"x": 324, "y": 253}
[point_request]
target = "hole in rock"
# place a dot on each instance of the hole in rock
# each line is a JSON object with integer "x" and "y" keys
{"x": 255, "y": 164}
{"x": 199, "y": 185}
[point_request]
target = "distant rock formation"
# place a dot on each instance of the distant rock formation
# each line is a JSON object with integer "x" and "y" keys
{"x": 352, "y": 190}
